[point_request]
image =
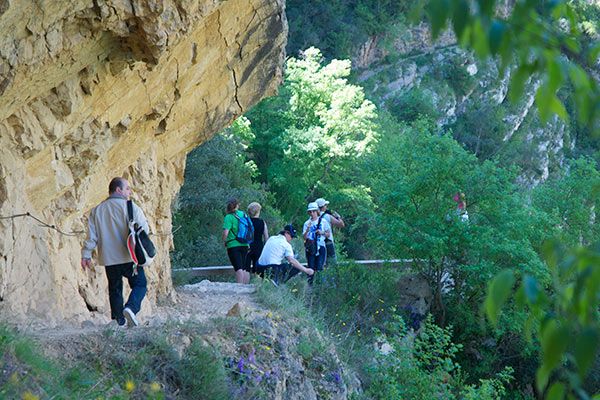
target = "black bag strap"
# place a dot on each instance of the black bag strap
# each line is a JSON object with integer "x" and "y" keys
{"x": 318, "y": 226}
{"x": 130, "y": 210}
{"x": 130, "y": 214}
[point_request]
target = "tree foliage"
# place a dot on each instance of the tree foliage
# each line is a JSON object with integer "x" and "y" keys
{"x": 416, "y": 215}
{"x": 311, "y": 133}
{"x": 340, "y": 27}
{"x": 571, "y": 201}
{"x": 215, "y": 172}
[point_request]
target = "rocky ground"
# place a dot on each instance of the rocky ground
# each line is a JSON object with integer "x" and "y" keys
{"x": 278, "y": 359}
{"x": 193, "y": 303}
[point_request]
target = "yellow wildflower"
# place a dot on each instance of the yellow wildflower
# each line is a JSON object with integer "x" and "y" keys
{"x": 30, "y": 396}
{"x": 155, "y": 386}
{"x": 129, "y": 385}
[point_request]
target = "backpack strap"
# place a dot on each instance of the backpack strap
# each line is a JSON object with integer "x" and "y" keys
{"x": 235, "y": 234}
{"x": 130, "y": 214}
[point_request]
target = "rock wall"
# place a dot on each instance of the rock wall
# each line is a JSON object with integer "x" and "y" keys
{"x": 91, "y": 89}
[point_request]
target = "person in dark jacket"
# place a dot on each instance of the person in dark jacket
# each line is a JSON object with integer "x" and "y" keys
{"x": 261, "y": 235}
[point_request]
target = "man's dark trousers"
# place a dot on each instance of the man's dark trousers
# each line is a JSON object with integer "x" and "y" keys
{"x": 137, "y": 283}
{"x": 280, "y": 273}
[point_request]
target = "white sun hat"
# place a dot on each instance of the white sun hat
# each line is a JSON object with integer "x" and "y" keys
{"x": 312, "y": 207}
{"x": 321, "y": 202}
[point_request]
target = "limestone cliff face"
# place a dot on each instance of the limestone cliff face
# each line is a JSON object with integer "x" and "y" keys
{"x": 91, "y": 89}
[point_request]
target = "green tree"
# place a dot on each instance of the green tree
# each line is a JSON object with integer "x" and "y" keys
{"x": 415, "y": 176}
{"x": 412, "y": 105}
{"x": 481, "y": 129}
{"x": 215, "y": 171}
{"x": 547, "y": 41}
{"x": 340, "y": 27}
{"x": 571, "y": 200}
{"x": 309, "y": 135}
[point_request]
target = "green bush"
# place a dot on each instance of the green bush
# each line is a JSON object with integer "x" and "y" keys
{"x": 201, "y": 374}
{"x": 111, "y": 366}
{"x": 215, "y": 172}
{"x": 422, "y": 366}
{"x": 355, "y": 298}
{"x": 453, "y": 71}
{"x": 340, "y": 27}
{"x": 357, "y": 307}
{"x": 412, "y": 105}
{"x": 398, "y": 375}
{"x": 433, "y": 348}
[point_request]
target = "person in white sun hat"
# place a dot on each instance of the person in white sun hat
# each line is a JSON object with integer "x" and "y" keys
{"x": 315, "y": 230}
{"x": 335, "y": 220}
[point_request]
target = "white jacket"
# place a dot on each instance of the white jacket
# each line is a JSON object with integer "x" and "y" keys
{"x": 108, "y": 229}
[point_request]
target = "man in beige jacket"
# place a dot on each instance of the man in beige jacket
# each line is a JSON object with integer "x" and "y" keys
{"x": 108, "y": 228}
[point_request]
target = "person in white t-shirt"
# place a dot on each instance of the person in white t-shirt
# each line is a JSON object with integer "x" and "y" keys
{"x": 276, "y": 252}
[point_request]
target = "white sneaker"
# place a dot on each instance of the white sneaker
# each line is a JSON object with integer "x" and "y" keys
{"x": 114, "y": 325}
{"x": 130, "y": 317}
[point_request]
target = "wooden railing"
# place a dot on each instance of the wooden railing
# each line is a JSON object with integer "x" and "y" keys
{"x": 228, "y": 269}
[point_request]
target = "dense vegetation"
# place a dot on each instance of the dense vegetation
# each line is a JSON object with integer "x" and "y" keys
{"x": 219, "y": 359}
{"x": 109, "y": 365}
{"x": 391, "y": 155}
{"x": 397, "y": 191}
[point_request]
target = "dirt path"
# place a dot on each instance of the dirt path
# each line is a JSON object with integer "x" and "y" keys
{"x": 195, "y": 303}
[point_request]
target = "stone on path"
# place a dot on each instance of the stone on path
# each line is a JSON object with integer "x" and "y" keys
{"x": 235, "y": 311}
{"x": 207, "y": 286}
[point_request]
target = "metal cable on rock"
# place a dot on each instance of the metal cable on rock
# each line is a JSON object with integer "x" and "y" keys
{"x": 74, "y": 233}
{"x": 47, "y": 225}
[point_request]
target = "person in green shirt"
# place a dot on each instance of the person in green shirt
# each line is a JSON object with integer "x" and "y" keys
{"x": 236, "y": 251}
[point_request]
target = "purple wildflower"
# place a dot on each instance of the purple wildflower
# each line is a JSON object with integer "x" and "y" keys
{"x": 336, "y": 377}
{"x": 251, "y": 357}
{"x": 240, "y": 365}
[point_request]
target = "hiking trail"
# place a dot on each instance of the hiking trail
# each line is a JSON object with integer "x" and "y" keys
{"x": 193, "y": 303}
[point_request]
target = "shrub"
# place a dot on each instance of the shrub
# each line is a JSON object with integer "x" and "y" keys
{"x": 412, "y": 105}
{"x": 202, "y": 374}
{"x": 422, "y": 366}
{"x": 354, "y": 298}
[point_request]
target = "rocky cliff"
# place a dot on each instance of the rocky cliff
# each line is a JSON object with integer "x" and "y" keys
{"x": 92, "y": 89}
{"x": 466, "y": 96}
